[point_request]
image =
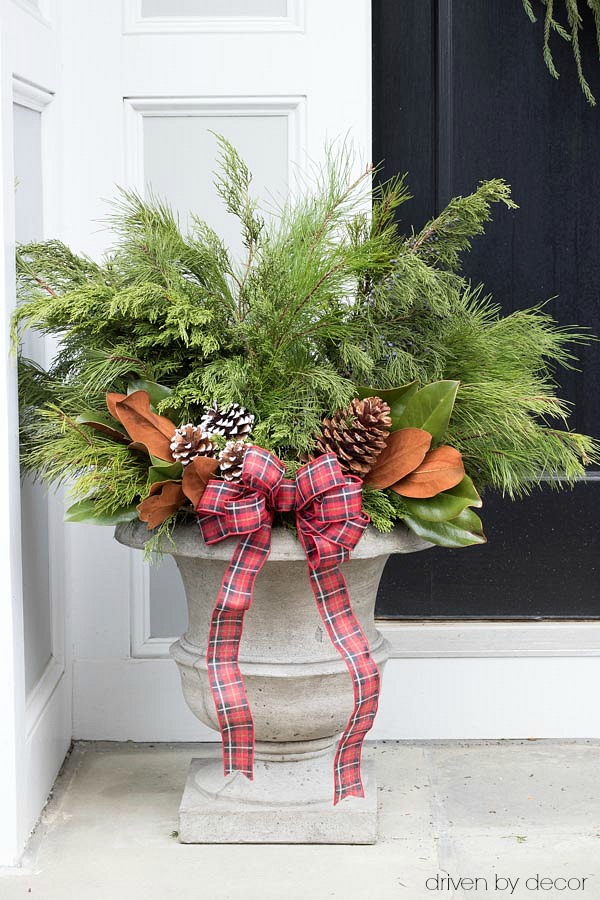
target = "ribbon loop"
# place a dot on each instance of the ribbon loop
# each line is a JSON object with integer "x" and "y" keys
{"x": 316, "y": 477}
{"x": 330, "y": 523}
{"x": 262, "y": 471}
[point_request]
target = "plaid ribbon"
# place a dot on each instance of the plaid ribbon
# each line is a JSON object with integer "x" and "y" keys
{"x": 330, "y": 523}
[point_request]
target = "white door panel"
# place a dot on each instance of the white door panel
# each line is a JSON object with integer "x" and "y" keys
{"x": 277, "y": 78}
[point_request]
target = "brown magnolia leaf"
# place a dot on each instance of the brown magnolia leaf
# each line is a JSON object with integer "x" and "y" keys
{"x": 111, "y": 404}
{"x": 164, "y": 499}
{"x": 196, "y": 476}
{"x": 137, "y": 445}
{"x": 441, "y": 470}
{"x": 144, "y": 426}
{"x": 405, "y": 449}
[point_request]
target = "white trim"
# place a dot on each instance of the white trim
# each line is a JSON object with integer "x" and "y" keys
{"x": 137, "y": 108}
{"x": 25, "y": 93}
{"x": 135, "y": 23}
{"x": 143, "y": 645}
{"x": 418, "y": 639}
{"x": 41, "y": 694}
{"x": 36, "y": 98}
{"x": 427, "y": 639}
{"x": 32, "y": 8}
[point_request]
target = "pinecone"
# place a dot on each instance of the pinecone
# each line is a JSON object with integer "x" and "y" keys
{"x": 190, "y": 441}
{"x": 231, "y": 459}
{"x": 231, "y": 422}
{"x": 356, "y": 434}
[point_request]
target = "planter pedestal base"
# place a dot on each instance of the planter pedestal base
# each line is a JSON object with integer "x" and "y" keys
{"x": 288, "y": 802}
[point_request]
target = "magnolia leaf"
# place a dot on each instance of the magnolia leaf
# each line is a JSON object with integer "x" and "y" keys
{"x": 462, "y": 531}
{"x": 430, "y": 408}
{"x": 441, "y": 470}
{"x": 403, "y": 452}
{"x": 196, "y": 476}
{"x": 144, "y": 426}
{"x": 446, "y": 505}
{"x": 164, "y": 499}
{"x": 86, "y": 511}
{"x": 156, "y": 392}
{"x": 465, "y": 489}
{"x": 396, "y": 398}
{"x": 102, "y": 422}
{"x": 161, "y": 470}
{"x": 111, "y": 403}
{"x": 141, "y": 448}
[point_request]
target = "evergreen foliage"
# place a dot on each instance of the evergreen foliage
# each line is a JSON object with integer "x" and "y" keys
{"x": 327, "y": 298}
{"x": 568, "y": 32}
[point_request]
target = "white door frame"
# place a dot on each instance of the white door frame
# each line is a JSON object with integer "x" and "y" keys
{"x": 37, "y": 727}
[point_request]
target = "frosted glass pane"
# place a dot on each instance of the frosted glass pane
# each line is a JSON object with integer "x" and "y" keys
{"x": 28, "y": 172}
{"x": 37, "y": 609}
{"x": 168, "y": 610}
{"x": 220, "y": 8}
{"x": 179, "y": 163}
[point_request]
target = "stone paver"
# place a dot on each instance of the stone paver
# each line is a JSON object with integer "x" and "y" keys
{"x": 484, "y": 811}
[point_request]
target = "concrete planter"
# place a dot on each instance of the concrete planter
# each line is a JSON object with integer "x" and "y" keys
{"x": 298, "y": 687}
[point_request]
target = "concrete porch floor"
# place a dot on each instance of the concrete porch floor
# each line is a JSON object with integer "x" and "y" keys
{"x": 476, "y": 810}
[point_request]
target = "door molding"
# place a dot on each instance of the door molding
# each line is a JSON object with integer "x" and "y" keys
{"x": 32, "y": 96}
{"x": 34, "y": 10}
{"x": 474, "y": 639}
{"x": 136, "y": 109}
{"x": 143, "y": 645}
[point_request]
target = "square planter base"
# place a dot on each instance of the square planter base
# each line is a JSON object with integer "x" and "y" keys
{"x": 209, "y": 818}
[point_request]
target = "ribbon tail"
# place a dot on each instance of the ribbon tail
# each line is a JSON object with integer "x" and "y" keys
{"x": 226, "y": 682}
{"x": 344, "y": 630}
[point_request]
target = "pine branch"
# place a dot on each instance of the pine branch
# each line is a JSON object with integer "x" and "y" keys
{"x": 442, "y": 239}
{"x": 575, "y": 23}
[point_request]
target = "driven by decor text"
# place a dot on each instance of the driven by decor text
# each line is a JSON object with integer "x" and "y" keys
{"x": 505, "y": 884}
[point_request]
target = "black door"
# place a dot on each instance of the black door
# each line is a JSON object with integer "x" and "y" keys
{"x": 461, "y": 93}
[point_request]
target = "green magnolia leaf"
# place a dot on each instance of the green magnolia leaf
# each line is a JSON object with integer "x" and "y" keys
{"x": 396, "y": 398}
{"x": 86, "y": 511}
{"x": 444, "y": 506}
{"x": 467, "y": 490}
{"x": 103, "y": 422}
{"x": 430, "y": 409}
{"x": 156, "y": 392}
{"x": 161, "y": 470}
{"x": 463, "y": 530}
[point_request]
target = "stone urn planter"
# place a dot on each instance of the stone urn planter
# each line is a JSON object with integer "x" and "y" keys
{"x": 298, "y": 686}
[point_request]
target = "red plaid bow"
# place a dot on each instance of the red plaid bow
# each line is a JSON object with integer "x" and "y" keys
{"x": 330, "y": 523}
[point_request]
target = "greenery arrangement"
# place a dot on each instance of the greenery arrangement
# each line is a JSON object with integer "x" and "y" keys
{"x": 568, "y": 32}
{"x": 336, "y": 333}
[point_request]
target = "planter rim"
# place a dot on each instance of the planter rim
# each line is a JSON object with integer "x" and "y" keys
{"x": 188, "y": 542}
